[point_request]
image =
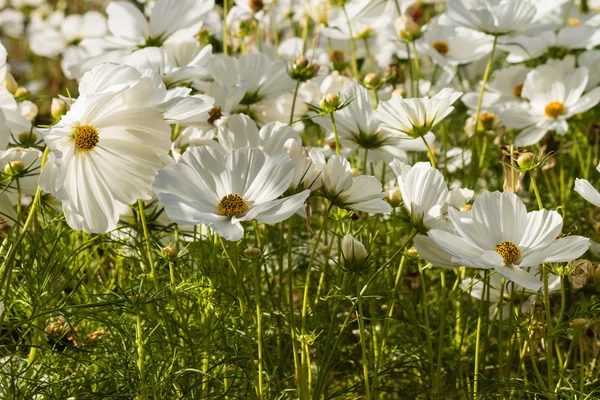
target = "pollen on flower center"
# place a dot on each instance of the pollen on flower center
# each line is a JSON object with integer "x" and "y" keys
{"x": 232, "y": 205}
{"x": 555, "y": 109}
{"x": 441, "y": 47}
{"x": 518, "y": 90}
{"x": 509, "y": 252}
{"x": 86, "y": 137}
{"x": 574, "y": 21}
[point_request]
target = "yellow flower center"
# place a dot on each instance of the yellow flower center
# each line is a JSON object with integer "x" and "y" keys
{"x": 555, "y": 109}
{"x": 517, "y": 90}
{"x": 574, "y": 21}
{"x": 441, "y": 47}
{"x": 86, "y": 137}
{"x": 509, "y": 252}
{"x": 232, "y": 205}
{"x": 256, "y": 5}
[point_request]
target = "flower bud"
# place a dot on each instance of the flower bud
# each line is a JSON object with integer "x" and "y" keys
{"x": 355, "y": 172}
{"x": 407, "y": 28}
{"x": 21, "y": 93}
{"x": 10, "y": 83}
{"x": 14, "y": 167}
{"x": 526, "y": 160}
{"x": 58, "y": 108}
{"x": 393, "y": 196}
{"x": 372, "y": 80}
{"x": 413, "y": 252}
{"x": 578, "y": 323}
{"x": 330, "y": 102}
{"x": 170, "y": 252}
{"x": 252, "y": 253}
{"x": 28, "y": 109}
{"x": 353, "y": 252}
{"x": 27, "y": 139}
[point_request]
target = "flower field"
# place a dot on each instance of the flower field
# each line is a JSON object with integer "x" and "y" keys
{"x": 300, "y": 199}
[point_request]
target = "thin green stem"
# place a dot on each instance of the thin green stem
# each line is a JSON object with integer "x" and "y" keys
{"x": 304, "y": 359}
{"x": 428, "y": 342}
{"x": 536, "y": 191}
{"x": 294, "y": 103}
{"x": 486, "y": 77}
{"x": 225, "y": 27}
{"x": 443, "y": 316}
{"x": 429, "y": 153}
{"x": 292, "y": 316}
{"x": 148, "y": 243}
{"x": 361, "y": 327}
{"x": 257, "y": 288}
{"x": 478, "y": 337}
{"x": 338, "y": 151}
{"x": 140, "y": 354}
{"x": 417, "y": 68}
{"x": 352, "y": 45}
{"x": 549, "y": 325}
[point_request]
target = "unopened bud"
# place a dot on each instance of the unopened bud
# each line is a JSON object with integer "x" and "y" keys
{"x": 407, "y": 28}
{"x": 14, "y": 167}
{"x": 526, "y": 160}
{"x": 413, "y": 252}
{"x": 27, "y": 139}
{"x": 252, "y": 253}
{"x": 355, "y": 172}
{"x": 372, "y": 80}
{"x": 353, "y": 253}
{"x": 28, "y": 109}
{"x": 578, "y": 323}
{"x": 170, "y": 252}
{"x": 58, "y": 108}
{"x": 330, "y": 102}
{"x": 393, "y": 196}
{"x": 10, "y": 83}
{"x": 21, "y": 93}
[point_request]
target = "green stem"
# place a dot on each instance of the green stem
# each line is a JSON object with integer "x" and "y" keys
{"x": 427, "y": 326}
{"x": 225, "y": 27}
{"x": 480, "y": 317}
{"x": 304, "y": 359}
{"x": 352, "y": 45}
{"x": 429, "y": 153}
{"x": 417, "y": 68}
{"x": 335, "y": 135}
{"x": 148, "y": 243}
{"x": 500, "y": 322}
{"x": 256, "y": 270}
{"x": 140, "y": 354}
{"x": 294, "y": 103}
{"x": 549, "y": 324}
{"x": 361, "y": 327}
{"x": 536, "y": 191}
{"x": 292, "y": 316}
{"x": 441, "y": 334}
{"x": 486, "y": 77}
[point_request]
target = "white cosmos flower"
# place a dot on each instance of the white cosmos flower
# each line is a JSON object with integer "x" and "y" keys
{"x": 177, "y": 105}
{"x": 309, "y": 166}
{"x": 222, "y": 191}
{"x": 30, "y": 159}
{"x": 587, "y": 191}
{"x": 498, "y": 233}
{"x": 494, "y": 17}
{"x": 359, "y": 130}
{"x": 413, "y": 118}
{"x": 51, "y": 41}
{"x": 361, "y": 193}
{"x": 591, "y": 59}
{"x": 425, "y": 194}
{"x": 554, "y": 93}
{"x": 105, "y": 151}
{"x": 524, "y": 47}
{"x": 179, "y": 63}
{"x": 264, "y": 80}
{"x": 239, "y": 130}
{"x": 454, "y": 45}
{"x": 131, "y": 31}
{"x": 505, "y": 88}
